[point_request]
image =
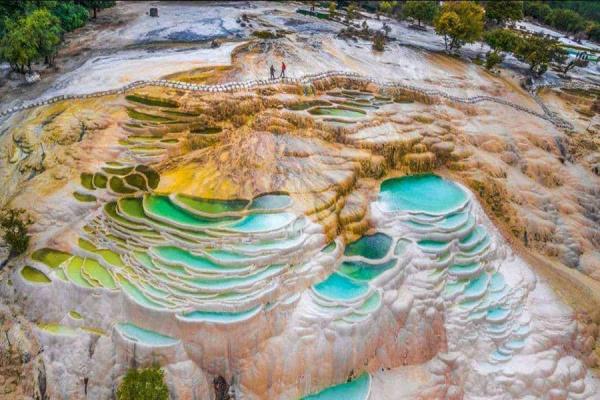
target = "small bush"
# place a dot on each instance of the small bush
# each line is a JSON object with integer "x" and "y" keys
{"x": 378, "y": 41}
{"x": 492, "y": 59}
{"x": 143, "y": 384}
{"x": 265, "y": 35}
{"x": 14, "y": 223}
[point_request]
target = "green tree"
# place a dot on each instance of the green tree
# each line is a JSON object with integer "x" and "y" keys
{"x": 503, "y": 11}
{"x": 385, "y": 7}
{"x": 539, "y": 52}
{"x": 421, "y": 10}
{"x": 96, "y": 5}
{"x": 566, "y": 20}
{"x": 536, "y": 9}
{"x": 14, "y": 223}
{"x": 332, "y": 9}
{"x": 351, "y": 12}
{"x": 17, "y": 46}
{"x": 143, "y": 384}
{"x": 593, "y": 32}
{"x": 460, "y": 22}
{"x": 492, "y": 58}
{"x": 71, "y": 15}
{"x": 502, "y": 39}
{"x": 46, "y": 31}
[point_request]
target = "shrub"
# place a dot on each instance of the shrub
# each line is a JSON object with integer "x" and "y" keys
{"x": 14, "y": 223}
{"x": 378, "y": 41}
{"x": 492, "y": 59}
{"x": 143, "y": 384}
{"x": 265, "y": 35}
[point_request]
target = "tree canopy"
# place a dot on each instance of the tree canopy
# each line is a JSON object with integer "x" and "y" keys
{"x": 31, "y": 30}
{"x": 503, "y": 11}
{"x": 421, "y": 10}
{"x": 29, "y": 39}
{"x": 567, "y": 16}
{"x": 502, "y": 39}
{"x": 459, "y": 22}
{"x": 539, "y": 52}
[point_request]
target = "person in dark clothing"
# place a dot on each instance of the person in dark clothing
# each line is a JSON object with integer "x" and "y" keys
{"x": 283, "y": 67}
{"x": 272, "y": 72}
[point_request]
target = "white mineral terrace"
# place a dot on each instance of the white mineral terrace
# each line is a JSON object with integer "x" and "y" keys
{"x": 247, "y": 289}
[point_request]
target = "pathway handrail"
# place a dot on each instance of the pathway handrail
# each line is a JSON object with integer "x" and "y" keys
{"x": 304, "y": 80}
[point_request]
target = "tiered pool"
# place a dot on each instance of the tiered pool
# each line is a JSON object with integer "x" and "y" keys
{"x": 343, "y": 107}
{"x": 439, "y": 215}
{"x": 206, "y": 260}
{"x": 350, "y": 295}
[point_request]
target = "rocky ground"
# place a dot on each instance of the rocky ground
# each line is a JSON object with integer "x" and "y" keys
{"x": 539, "y": 183}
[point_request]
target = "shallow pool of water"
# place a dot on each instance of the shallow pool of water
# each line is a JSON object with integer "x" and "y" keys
{"x": 357, "y": 389}
{"x": 144, "y": 336}
{"x": 374, "y": 246}
{"x": 362, "y": 271}
{"x": 52, "y": 258}
{"x": 210, "y": 206}
{"x": 337, "y": 112}
{"x": 221, "y": 317}
{"x": 339, "y": 287}
{"x": 33, "y": 275}
{"x": 421, "y": 193}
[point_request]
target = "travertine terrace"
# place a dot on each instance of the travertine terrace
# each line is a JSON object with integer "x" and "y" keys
{"x": 355, "y": 230}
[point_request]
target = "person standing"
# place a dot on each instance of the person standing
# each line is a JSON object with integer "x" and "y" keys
{"x": 283, "y": 67}
{"x": 272, "y": 72}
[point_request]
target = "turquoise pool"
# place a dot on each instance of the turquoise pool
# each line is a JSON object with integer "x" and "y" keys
{"x": 362, "y": 271}
{"x": 357, "y": 389}
{"x": 220, "y": 317}
{"x": 373, "y": 247}
{"x": 421, "y": 193}
{"x": 144, "y": 336}
{"x": 339, "y": 287}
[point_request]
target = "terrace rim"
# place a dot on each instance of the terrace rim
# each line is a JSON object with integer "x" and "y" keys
{"x": 306, "y": 80}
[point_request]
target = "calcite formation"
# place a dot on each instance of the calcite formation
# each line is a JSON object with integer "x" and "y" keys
{"x": 290, "y": 244}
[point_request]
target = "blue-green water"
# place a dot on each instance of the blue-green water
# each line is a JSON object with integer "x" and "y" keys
{"x": 425, "y": 193}
{"x": 271, "y": 202}
{"x": 162, "y": 208}
{"x": 339, "y": 287}
{"x": 373, "y": 247}
{"x": 262, "y": 222}
{"x": 357, "y": 389}
{"x": 362, "y": 271}
{"x": 145, "y": 336}
{"x": 220, "y": 317}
